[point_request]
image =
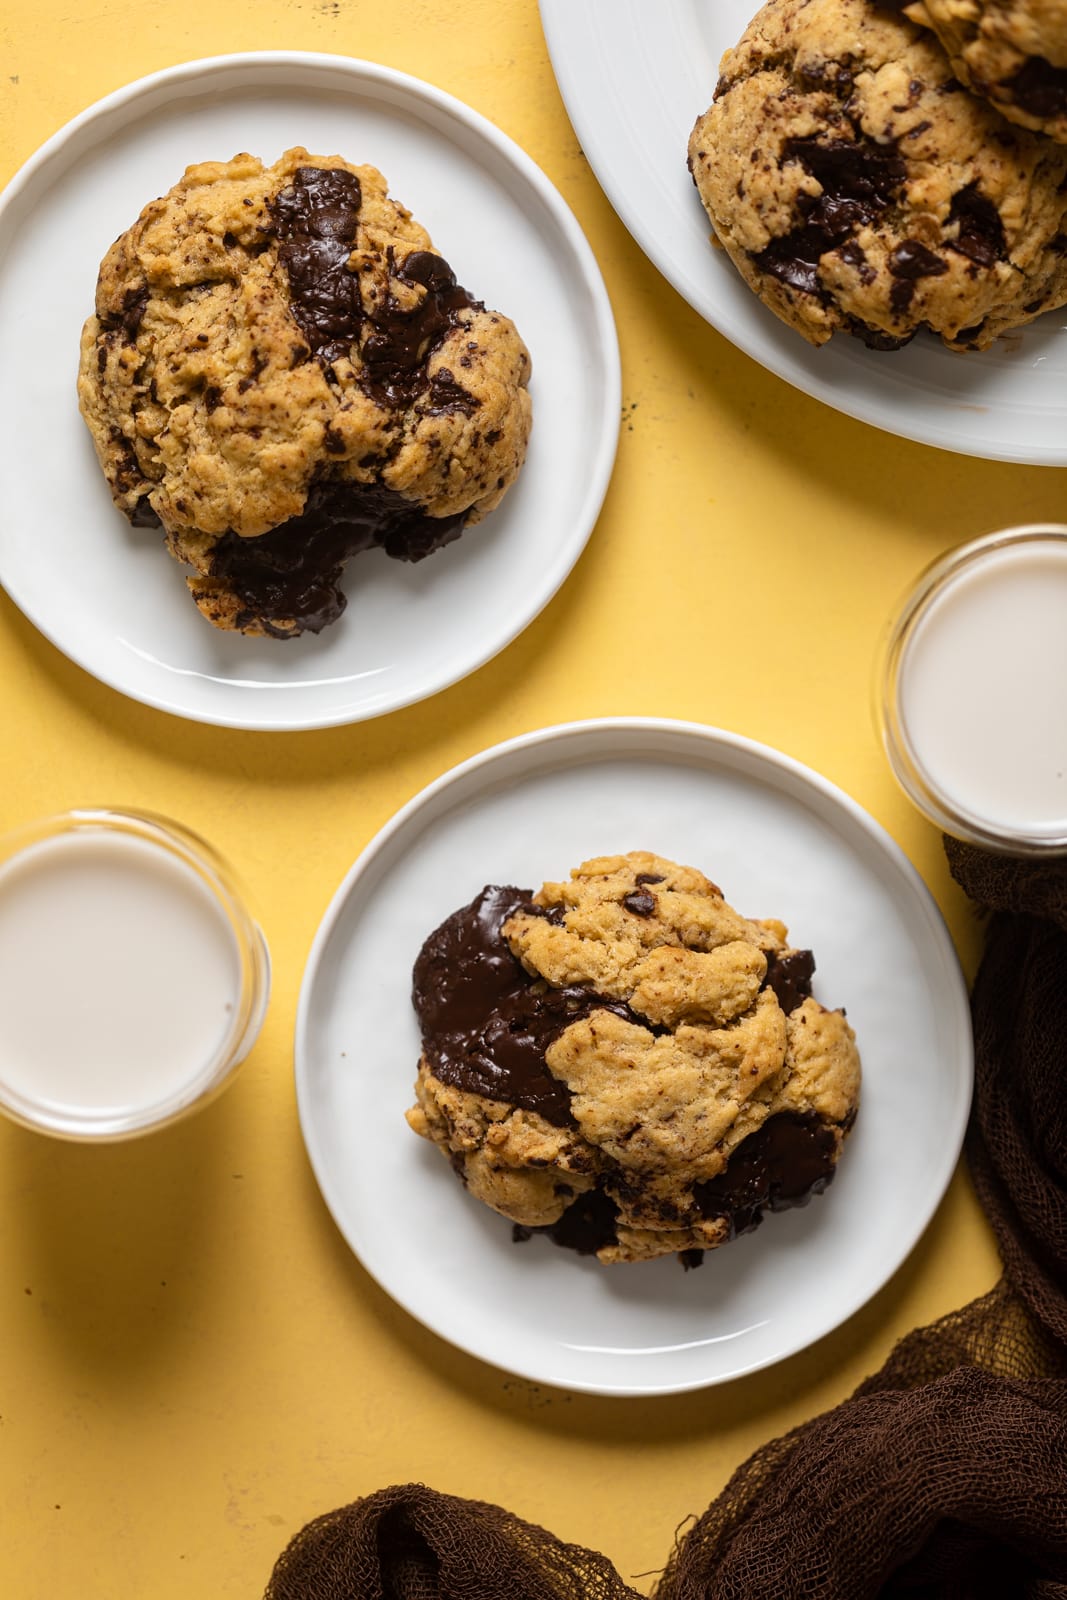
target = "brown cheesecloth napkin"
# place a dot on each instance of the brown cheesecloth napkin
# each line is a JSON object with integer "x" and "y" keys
{"x": 944, "y": 1477}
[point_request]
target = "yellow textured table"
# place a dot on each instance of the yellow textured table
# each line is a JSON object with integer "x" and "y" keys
{"x": 192, "y": 1363}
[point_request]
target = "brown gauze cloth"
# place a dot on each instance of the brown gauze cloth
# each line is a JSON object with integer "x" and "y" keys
{"x": 944, "y": 1477}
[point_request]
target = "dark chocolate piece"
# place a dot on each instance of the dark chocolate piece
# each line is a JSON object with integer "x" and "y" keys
{"x": 790, "y": 977}
{"x": 486, "y": 1023}
{"x": 587, "y": 1225}
{"x": 293, "y": 571}
{"x": 981, "y": 232}
{"x": 859, "y": 181}
{"x": 908, "y": 262}
{"x": 782, "y": 1164}
{"x": 1039, "y": 88}
{"x": 640, "y": 902}
{"x": 400, "y": 341}
{"x": 128, "y": 320}
{"x": 317, "y": 218}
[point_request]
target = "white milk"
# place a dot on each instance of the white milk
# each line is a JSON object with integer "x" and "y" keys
{"x": 982, "y": 690}
{"x": 119, "y": 976}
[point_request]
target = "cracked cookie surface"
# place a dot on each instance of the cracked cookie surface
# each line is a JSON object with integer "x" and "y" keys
{"x": 1011, "y": 52}
{"x": 624, "y": 1061}
{"x": 857, "y": 187}
{"x": 281, "y": 371}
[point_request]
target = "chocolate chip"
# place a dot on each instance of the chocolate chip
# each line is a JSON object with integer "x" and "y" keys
{"x": 402, "y": 337}
{"x": 859, "y": 181}
{"x": 854, "y": 255}
{"x": 1039, "y": 88}
{"x": 981, "y": 233}
{"x": 789, "y": 978}
{"x": 830, "y": 77}
{"x": 642, "y": 905}
{"x": 446, "y": 395}
{"x": 128, "y": 319}
{"x": 908, "y": 262}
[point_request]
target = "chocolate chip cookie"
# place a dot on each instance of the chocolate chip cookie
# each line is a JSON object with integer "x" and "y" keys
{"x": 626, "y": 1063}
{"x": 857, "y": 186}
{"x": 282, "y": 371}
{"x": 1011, "y": 52}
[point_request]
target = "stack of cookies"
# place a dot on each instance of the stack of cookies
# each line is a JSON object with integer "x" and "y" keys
{"x": 886, "y": 168}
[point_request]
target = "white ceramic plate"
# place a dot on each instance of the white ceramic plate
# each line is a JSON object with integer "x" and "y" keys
{"x": 108, "y": 595}
{"x": 782, "y": 842}
{"x": 635, "y": 75}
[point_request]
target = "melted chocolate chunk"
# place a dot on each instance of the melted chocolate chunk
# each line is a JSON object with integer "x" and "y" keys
{"x": 908, "y": 262}
{"x": 587, "y": 1225}
{"x": 1039, "y": 88}
{"x": 642, "y": 905}
{"x": 830, "y": 77}
{"x": 861, "y": 172}
{"x": 292, "y": 572}
{"x": 790, "y": 978}
{"x": 877, "y": 338}
{"x": 127, "y": 321}
{"x": 402, "y": 338}
{"x": 486, "y": 1023}
{"x": 981, "y": 232}
{"x": 854, "y": 254}
{"x": 316, "y": 219}
{"x": 779, "y": 1166}
{"x": 650, "y": 877}
{"x": 447, "y": 395}
{"x": 144, "y": 515}
{"x": 859, "y": 181}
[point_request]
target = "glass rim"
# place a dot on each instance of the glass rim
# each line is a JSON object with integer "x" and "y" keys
{"x": 907, "y": 766}
{"x": 215, "y": 875}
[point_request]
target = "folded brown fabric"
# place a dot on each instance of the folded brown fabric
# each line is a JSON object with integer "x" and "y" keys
{"x": 944, "y": 1477}
{"x": 1017, "y": 1143}
{"x": 410, "y": 1543}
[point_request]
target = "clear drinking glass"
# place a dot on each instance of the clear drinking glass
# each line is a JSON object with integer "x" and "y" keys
{"x": 973, "y": 691}
{"x": 133, "y": 977}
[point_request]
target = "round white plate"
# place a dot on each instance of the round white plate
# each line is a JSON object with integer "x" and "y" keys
{"x": 782, "y": 842}
{"x": 108, "y": 595}
{"x": 635, "y": 75}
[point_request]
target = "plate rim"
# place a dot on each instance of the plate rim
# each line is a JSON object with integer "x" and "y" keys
{"x": 711, "y": 738}
{"x": 555, "y": 16}
{"x": 588, "y": 278}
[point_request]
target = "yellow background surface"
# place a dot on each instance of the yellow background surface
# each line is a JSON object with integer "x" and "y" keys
{"x": 192, "y": 1364}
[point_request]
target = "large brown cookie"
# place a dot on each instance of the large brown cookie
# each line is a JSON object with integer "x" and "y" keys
{"x": 281, "y": 371}
{"x": 624, "y": 1061}
{"x": 1011, "y": 52}
{"x": 857, "y": 186}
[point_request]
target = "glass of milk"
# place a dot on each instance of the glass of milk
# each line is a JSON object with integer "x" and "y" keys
{"x": 133, "y": 979}
{"x": 974, "y": 691}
